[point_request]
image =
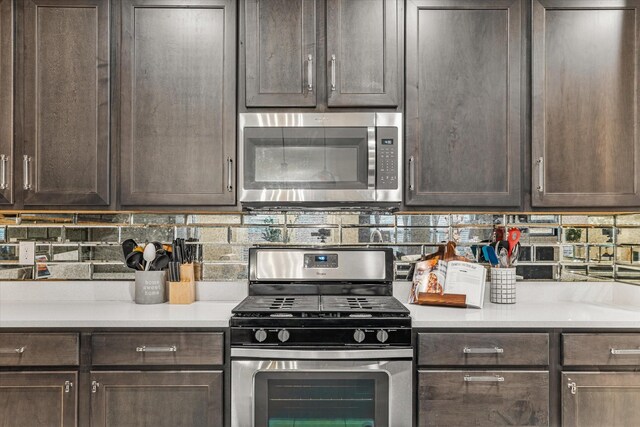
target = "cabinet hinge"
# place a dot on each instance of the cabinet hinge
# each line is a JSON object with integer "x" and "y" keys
{"x": 94, "y": 386}
{"x": 67, "y": 386}
{"x": 573, "y": 387}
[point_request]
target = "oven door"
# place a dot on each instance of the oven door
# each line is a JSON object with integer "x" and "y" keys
{"x": 355, "y": 388}
{"x": 307, "y": 157}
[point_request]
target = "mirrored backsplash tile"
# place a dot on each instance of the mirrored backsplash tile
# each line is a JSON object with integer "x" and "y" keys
{"x": 423, "y": 220}
{"x": 368, "y": 235}
{"x": 82, "y": 246}
{"x": 422, "y": 235}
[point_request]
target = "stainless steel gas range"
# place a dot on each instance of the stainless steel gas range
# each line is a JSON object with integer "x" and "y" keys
{"x": 321, "y": 341}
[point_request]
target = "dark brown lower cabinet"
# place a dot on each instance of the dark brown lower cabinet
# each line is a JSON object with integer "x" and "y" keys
{"x": 600, "y": 399}
{"x": 159, "y": 399}
{"x": 32, "y": 399}
{"x": 483, "y": 398}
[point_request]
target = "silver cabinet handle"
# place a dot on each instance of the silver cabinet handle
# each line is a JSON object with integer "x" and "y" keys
{"x": 573, "y": 388}
{"x": 229, "y": 174}
{"x": 333, "y": 73}
{"x": 94, "y": 386}
{"x": 310, "y": 73}
{"x": 26, "y": 161}
{"x": 412, "y": 174}
{"x": 540, "y": 164}
{"x": 168, "y": 349}
{"x": 18, "y": 350}
{"x": 625, "y": 351}
{"x": 487, "y": 350}
{"x": 484, "y": 379}
{"x": 4, "y": 159}
{"x": 67, "y": 386}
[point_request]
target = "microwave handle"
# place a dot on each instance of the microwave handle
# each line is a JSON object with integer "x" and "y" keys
{"x": 371, "y": 145}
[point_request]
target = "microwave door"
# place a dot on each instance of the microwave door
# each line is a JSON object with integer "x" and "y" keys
{"x": 315, "y": 164}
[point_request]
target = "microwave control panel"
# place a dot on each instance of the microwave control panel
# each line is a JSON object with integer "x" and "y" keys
{"x": 387, "y": 158}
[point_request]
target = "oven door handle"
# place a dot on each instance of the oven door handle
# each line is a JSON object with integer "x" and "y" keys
{"x": 286, "y": 353}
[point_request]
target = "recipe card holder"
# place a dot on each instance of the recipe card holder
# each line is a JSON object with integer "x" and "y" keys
{"x": 448, "y": 300}
{"x": 184, "y": 291}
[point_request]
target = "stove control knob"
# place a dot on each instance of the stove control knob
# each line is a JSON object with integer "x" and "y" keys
{"x": 283, "y": 335}
{"x": 358, "y": 335}
{"x": 382, "y": 335}
{"x": 261, "y": 335}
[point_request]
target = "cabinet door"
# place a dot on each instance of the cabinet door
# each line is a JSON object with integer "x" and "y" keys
{"x": 483, "y": 398}
{"x": 6, "y": 106}
{"x": 600, "y": 399}
{"x": 34, "y": 399}
{"x": 586, "y": 150}
{"x": 463, "y": 115}
{"x": 280, "y": 53}
{"x": 178, "y": 102}
{"x": 66, "y": 102}
{"x": 362, "y": 53}
{"x": 159, "y": 399}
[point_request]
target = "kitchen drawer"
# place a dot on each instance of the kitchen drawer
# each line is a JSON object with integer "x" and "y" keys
{"x": 175, "y": 348}
{"x": 483, "y": 398}
{"x": 488, "y": 349}
{"x": 601, "y": 349}
{"x": 26, "y": 349}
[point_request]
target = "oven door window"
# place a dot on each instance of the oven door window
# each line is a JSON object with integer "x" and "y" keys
{"x": 307, "y": 158}
{"x": 321, "y": 399}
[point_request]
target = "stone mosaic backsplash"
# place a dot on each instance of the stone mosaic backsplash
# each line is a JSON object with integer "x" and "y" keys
{"x": 87, "y": 246}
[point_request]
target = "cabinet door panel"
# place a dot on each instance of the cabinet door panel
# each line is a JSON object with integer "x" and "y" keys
{"x": 38, "y": 399}
{"x": 600, "y": 399}
{"x": 445, "y": 398}
{"x": 463, "y": 102}
{"x": 159, "y": 399}
{"x": 66, "y": 102}
{"x": 6, "y": 106}
{"x": 585, "y": 102}
{"x": 178, "y": 102}
{"x": 280, "y": 37}
{"x": 363, "y": 37}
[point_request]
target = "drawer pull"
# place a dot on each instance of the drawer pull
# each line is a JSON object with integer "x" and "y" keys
{"x": 625, "y": 351}
{"x": 483, "y": 379}
{"x": 18, "y": 350}
{"x": 488, "y": 350}
{"x": 145, "y": 349}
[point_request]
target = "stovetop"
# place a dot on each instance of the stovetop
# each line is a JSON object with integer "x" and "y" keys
{"x": 319, "y": 306}
{"x": 320, "y": 297}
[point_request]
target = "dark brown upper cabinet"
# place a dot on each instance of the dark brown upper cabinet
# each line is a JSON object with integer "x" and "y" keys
{"x": 363, "y": 53}
{"x": 178, "y": 108}
{"x": 284, "y": 63}
{"x": 585, "y": 149}
{"x": 65, "y": 151}
{"x": 281, "y": 53}
{"x": 463, "y": 106}
{"x": 6, "y": 101}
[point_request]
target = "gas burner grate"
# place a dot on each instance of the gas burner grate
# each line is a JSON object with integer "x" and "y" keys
{"x": 275, "y": 304}
{"x": 285, "y": 303}
{"x": 371, "y": 304}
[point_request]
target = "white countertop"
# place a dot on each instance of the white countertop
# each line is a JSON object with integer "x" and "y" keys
{"x": 113, "y": 314}
{"x": 539, "y": 305}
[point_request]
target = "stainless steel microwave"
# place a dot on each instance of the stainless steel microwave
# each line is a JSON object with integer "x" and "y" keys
{"x": 320, "y": 157}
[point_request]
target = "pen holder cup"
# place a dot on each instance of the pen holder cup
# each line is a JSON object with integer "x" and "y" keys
{"x": 502, "y": 289}
{"x": 184, "y": 291}
{"x": 150, "y": 287}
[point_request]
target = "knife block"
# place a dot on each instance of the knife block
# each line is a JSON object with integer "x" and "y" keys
{"x": 184, "y": 291}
